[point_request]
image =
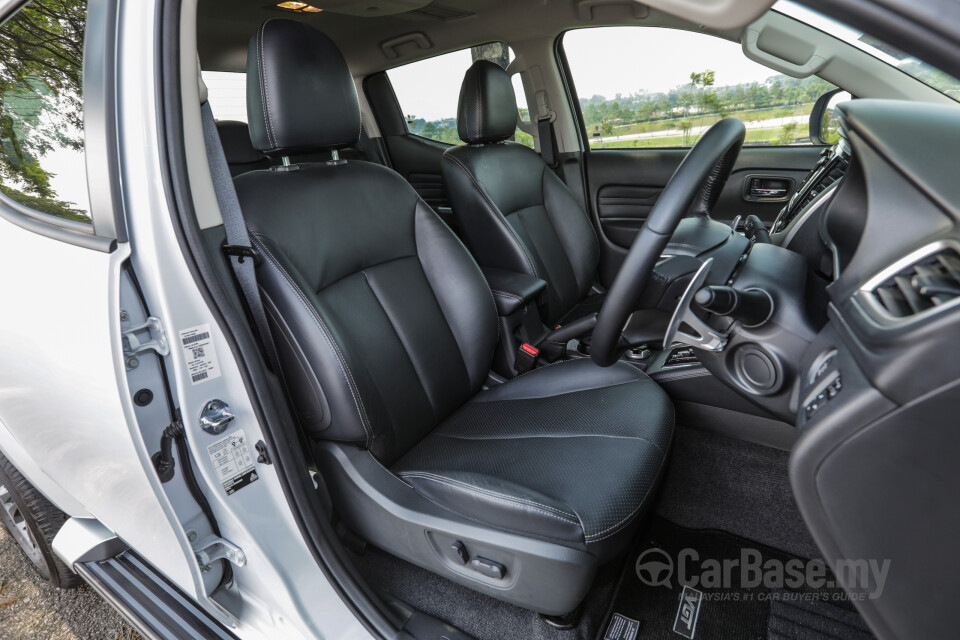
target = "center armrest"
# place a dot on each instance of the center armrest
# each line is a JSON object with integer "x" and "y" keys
{"x": 512, "y": 290}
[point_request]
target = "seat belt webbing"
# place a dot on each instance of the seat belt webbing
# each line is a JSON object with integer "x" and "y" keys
{"x": 239, "y": 250}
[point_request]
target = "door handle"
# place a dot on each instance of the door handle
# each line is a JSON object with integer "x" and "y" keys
{"x": 767, "y": 187}
{"x": 758, "y": 192}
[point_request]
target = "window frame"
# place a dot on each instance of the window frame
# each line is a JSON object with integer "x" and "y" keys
{"x": 573, "y": 100}
{"x": 106, "y": 226}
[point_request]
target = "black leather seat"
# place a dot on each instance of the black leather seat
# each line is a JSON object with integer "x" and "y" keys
{"x": 513, "y": 212}
{"x": 241, "y": 156}
{"x": 385, "y": 329}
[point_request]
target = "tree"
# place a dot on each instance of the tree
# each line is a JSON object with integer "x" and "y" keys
{"x": 497, "y": 52}
{"x": 787, "y": 133}
{"x": 430, "y": 130}
{"x": 41, "y": 106}
{"x": 606, "y": 128}
{"x": 685, "y": 126}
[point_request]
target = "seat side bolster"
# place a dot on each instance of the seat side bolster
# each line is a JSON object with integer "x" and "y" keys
{"x": 500, "y": 503}
{"x": 563, "y": 377}
{"x": 574, "y": 229}
{"x": 327, "y": 399}
{"x": 490, "y": 237}
{"x": 461, "y": 291}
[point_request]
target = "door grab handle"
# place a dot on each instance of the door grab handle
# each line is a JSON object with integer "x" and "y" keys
{"x": 767, "y": 193}
{"x": 767, "y": 187}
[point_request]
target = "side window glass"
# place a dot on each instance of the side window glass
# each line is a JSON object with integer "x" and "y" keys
{"x": 42, "y": 163}
{"x": 697, "y": 79}
{"x": 428, "y": 91}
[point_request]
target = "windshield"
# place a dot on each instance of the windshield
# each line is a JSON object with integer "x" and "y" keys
{"x": 928, "y": 74}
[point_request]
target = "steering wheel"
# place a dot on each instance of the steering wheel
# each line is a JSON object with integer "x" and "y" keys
{"x": 694, "y": 188}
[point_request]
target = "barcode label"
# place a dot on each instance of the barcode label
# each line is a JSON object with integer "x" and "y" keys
{"x": 196, "y": 338}
{"x": 200, "y": 354}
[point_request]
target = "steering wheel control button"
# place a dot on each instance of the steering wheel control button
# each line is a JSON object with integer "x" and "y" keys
{"x": 488, "y": 568}
{"x": 459, "y": 552}
{"x": 216, "y": 417}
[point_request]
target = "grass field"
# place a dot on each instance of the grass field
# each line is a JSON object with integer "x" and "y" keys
{"x": 746, "y": 115}
{"x": 766, "y": 135}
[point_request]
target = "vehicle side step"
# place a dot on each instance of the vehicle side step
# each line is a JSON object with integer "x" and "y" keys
{"x": 149, "y": 602}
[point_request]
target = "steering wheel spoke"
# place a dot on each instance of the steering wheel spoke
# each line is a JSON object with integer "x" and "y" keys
{"x": 704, "y": 336}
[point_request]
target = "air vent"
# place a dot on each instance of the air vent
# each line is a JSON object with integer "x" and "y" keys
{"x": 926, "y": 284}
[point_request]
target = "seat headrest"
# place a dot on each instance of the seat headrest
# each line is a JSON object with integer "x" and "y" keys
{"x": 487, "y": 111}
{"x": 300, "y": 94}
{"x": 235, "y": 139}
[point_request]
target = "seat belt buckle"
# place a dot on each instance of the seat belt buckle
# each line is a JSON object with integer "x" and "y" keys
{"x": 526, "y": 358}
{"x": 241, "y": 252}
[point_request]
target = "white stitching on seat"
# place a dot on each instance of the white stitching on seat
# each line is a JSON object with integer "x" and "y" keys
{"x": 265, "y": 88}
{"x": 499, "y": 497}
{"x": 610, "y": 531}
{"x": 496, "y": 210}
{"x": 351, "y": 384}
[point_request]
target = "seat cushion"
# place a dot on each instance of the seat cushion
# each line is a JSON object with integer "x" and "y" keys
{"x": 568, "y": 453}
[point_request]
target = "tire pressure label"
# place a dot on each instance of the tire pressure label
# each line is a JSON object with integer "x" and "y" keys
{"x": 233, "y": 462}
{"x": 200, "y": 354}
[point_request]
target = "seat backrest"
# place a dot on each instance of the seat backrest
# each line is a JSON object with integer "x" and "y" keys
{"x": 382, "y": 321}
{"x": 512, "y": 211}
{"x": 241, "y": 156}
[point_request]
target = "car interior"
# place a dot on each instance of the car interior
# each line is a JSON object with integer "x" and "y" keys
{"x": 521, "y": 358}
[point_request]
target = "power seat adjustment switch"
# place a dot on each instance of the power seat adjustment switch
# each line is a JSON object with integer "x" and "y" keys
{"x": 488, "y": 568}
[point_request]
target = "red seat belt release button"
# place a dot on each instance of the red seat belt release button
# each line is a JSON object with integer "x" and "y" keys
{"x": 526, "y": 358}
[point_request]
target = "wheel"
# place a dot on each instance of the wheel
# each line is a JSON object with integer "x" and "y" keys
{"x": 33, "y": 522}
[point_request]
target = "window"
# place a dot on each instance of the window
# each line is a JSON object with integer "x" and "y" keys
{"x": 926, "y": 73}
{"x": 428, "y": 91}
{"x": 697, "y": 80}
{"x": 227, "y": 94}
{"x": 42, "y": 165}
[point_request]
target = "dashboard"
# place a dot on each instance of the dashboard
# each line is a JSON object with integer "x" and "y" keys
{"x": 870, "y": 357}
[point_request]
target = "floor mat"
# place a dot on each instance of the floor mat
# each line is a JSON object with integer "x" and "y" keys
{"x": 476, "y": 614}
{"x": 792, "y": 619}
{"x": 707, "y": 585}
{"x": 716, "y": 482}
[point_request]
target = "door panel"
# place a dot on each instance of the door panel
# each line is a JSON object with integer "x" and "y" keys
{"x": 418, "y": 161}
{"x": 623, "y": 185}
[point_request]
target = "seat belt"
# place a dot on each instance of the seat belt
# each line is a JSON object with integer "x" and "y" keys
{"x": 239, "y": 250}
{"x": 548, "y": 142}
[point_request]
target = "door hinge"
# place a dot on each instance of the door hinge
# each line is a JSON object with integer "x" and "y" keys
{"x": 213, "y": 548}
{"x": 143, "y": 337}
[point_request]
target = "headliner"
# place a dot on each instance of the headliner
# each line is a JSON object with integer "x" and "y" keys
{"x": 225, "y": 26}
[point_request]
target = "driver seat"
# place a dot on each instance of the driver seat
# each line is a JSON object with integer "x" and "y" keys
{"x": 385, "y": 329}
{"x": 513, "y": 212}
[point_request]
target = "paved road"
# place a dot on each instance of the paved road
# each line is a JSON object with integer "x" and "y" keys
{"x": 32, "y": 610}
